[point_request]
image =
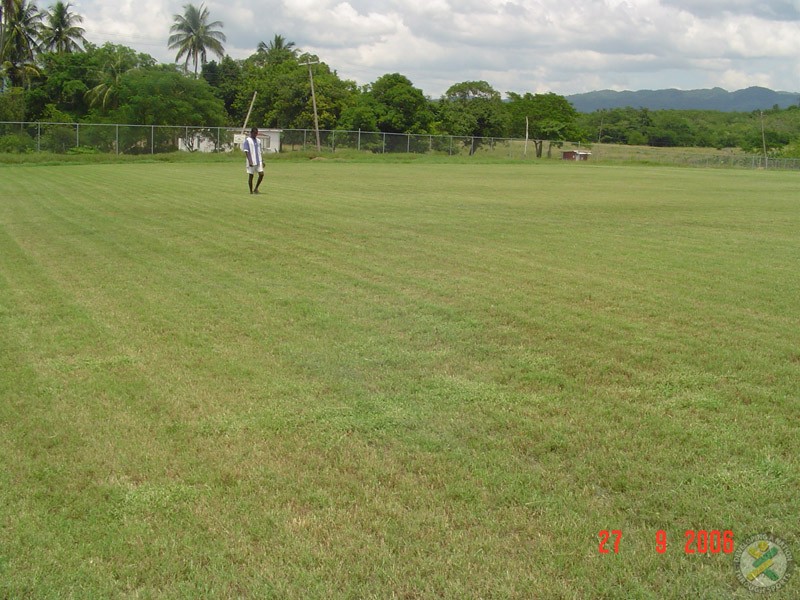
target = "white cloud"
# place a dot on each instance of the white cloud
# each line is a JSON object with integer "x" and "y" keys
{"x": 734, "y": 80}
{"x": 788, "y": 10}
{"x": 516, "y": 45}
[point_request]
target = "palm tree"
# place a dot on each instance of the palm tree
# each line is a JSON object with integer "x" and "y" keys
{"x": 192, "y": 35}
{"x": 277, "y": 44}
{"x": 278, "y": 50}
{"x": 20, "y": 40}
{"x": 61, "y": 33}
{"x": 6, "y": 6}
{"x": 118, "y": 61}
{"x": 7, "y": 9}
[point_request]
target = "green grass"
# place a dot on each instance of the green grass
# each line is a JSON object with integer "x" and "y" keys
{"x": 393, "y": 380}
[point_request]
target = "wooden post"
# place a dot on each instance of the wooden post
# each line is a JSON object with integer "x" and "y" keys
{"x": 525, "y": 151}
{"x": 249, "y": 110}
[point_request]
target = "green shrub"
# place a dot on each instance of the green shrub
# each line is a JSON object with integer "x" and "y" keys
{"x": 83, "y": 150}
{"x": 17, "y": 143}
{"x": 791, "y": 150}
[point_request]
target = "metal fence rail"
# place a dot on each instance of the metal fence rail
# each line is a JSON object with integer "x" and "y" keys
{"x": 115, "y": 138}
{"x": 111, "y": 138}
{"x": 385, "y": 143}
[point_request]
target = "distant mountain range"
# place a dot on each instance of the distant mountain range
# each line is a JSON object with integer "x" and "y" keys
{"x": 750, "y": 99}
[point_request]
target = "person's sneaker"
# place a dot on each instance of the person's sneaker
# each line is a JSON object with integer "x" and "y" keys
{"x": 256, "y": 192}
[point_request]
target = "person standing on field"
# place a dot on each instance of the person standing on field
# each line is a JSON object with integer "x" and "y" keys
{"x": 255, "y": 164}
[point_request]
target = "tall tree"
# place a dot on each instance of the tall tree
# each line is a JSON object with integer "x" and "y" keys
{"x": 7, "y": 8}
{"x": 473, "y": 108}
{"x": 20, "y": 40}
{"x": 549, "y": 117}
{"x": 161, "y": 96}
{"x": 402, "y": 108}
{"x": 113, "y": 61}
{"x": 193, "y": 35}
{"x": 278, "y": 50}
{"x": 284, "y": 93}
{"x": 66, "y": 77}
{"x": 361, "y": 112}
{"x": 60, "y": 32}
{"x": 225, "y": 79}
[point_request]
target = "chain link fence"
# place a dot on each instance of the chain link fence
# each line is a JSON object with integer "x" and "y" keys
{"x": 77, "y": 138}
{"x": 74, "y": 138}
{"x": 391, "y": 143}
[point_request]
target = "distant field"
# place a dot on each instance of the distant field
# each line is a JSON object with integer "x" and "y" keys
{"x": 394, "y": 380}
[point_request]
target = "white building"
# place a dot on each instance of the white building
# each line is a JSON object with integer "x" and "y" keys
{"x": 270, "y": 141}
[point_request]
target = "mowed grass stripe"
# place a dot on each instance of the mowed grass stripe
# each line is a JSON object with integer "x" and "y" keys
{"x": 292, "y": 496}
{"x": 409, "y": 379}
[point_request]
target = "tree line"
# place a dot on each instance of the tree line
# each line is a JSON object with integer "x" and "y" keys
{"x": 49, "y": 72}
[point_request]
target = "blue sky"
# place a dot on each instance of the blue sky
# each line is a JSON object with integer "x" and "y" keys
{"x": 516, "y": 45}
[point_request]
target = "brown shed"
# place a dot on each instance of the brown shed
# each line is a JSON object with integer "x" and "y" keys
{"x": 575, "y": 155}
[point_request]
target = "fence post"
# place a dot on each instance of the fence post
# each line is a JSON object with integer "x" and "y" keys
{"x": 384, "y": 143}
{"x": 38, "y": 137}
{"x": 408, "y": 143}
{"x": 333, "y": 141}
{"x": 152, "y": 139}
{"x": 77, "y": 135}
{"x": 117, "y": 135}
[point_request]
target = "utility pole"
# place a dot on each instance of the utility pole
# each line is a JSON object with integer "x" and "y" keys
{"x": 314, "y": 100}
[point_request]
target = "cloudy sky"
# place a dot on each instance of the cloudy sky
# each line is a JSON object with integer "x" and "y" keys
{"x": 516, "y": 45}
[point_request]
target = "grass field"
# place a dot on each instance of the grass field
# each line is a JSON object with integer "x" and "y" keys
{"x": 394, "y": 380}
